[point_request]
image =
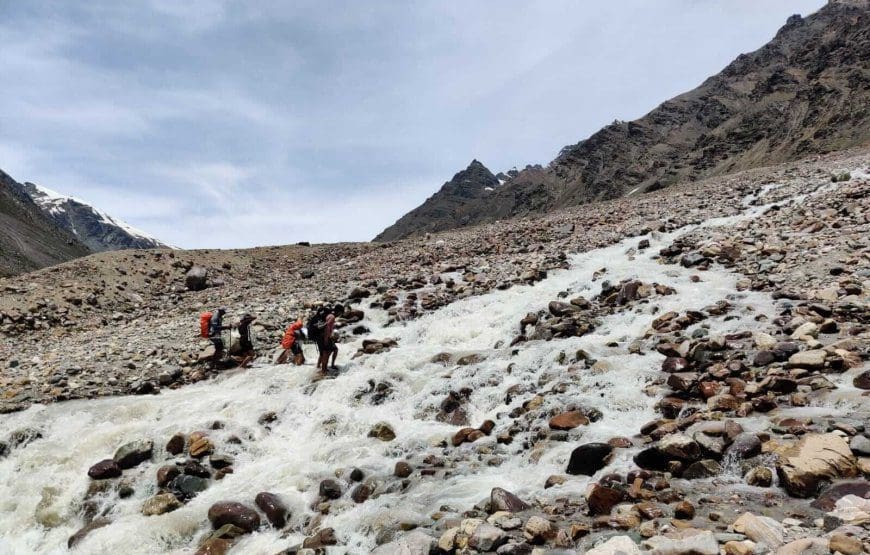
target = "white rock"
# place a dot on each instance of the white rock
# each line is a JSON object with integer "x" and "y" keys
{"x": 703, "y": 543}
{"x": 412, "y": 543}
{"x": 760, "y": 529}
{"x": 764, "y": 341}
{"x": 617, "y": 545}
{"x": 808, "y": 329}
{"x": 813, "y": 359}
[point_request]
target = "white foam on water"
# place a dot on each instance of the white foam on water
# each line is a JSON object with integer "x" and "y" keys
{"x": 326, "y": 429}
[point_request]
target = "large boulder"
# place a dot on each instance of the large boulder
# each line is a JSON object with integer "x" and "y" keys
{"x": 230, "y": 512}
{"x": 812, "y": 462}
{"x": 589, "y": 458}
{"x": 196, "y": 279}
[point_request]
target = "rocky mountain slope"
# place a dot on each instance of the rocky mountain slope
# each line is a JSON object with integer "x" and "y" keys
{"x": 806, "y": 91}
{"x": 93, "y": 227}
{"x": 452, "y": 206}
{"x": 39, "y": 228}
{"x": 28, "y": 239}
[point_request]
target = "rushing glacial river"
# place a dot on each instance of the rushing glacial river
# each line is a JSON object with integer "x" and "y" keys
{"x": 324, "y": 428}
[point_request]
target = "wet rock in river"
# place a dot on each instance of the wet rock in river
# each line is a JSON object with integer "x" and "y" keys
{"x": 76, "y": 538}
{"x": 382, "y": 431}
{"x": 568, "y": 420}
{"x": 166, "y": 474}
{"x": 589, "y": 458}
{"x": 104, "y": 470}
{"x": 274, "y": 509}
{"x": 322, "y": 538}
{"x": 175, "y": 445}
{"x": 134, "y": 453}
{"x": 200, "y": 445}
{"x": 329, "y": 489}
{"x": 706, "y": 468}
{"x": 237, "y": 514}
{"x": 160, "y": 504}
{"x": 186, "y": 486}
{"x": 402, "y": 469}
{"x": 745, "y": 446}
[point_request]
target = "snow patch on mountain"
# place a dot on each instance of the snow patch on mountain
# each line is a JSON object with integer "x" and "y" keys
{"x": 97, "y": 229}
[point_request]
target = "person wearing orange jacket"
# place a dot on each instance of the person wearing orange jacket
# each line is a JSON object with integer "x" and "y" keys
{"x": 291, "y": 344}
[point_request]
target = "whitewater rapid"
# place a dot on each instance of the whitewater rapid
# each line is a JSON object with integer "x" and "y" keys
{"x": 323, "y": 428}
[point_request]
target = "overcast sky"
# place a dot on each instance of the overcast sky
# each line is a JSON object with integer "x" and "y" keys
{"x": 234, "y": 124}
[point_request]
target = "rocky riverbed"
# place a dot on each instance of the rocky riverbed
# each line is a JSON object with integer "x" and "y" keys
{"x": 682, "y": 372}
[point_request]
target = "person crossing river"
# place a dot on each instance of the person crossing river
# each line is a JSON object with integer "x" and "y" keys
{"x": 321, "y": 328}
{"x": 292, "y": 344}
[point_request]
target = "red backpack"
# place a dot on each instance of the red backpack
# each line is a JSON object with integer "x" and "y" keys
{"x": 204, "y": 322}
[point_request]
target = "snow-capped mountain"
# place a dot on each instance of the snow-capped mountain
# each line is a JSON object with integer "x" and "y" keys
{"x": 91, "y": 226}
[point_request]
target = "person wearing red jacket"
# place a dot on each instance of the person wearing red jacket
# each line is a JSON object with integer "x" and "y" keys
{"x": 291, "y": 343}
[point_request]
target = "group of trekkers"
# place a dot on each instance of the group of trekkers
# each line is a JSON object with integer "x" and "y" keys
{"x": 320, "y": 328}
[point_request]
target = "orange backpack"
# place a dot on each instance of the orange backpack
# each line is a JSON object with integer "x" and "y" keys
{"x": 204, "y": 322}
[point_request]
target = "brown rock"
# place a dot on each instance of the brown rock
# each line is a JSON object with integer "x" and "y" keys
{"x": 165, "y": 474}
{"x": 200, "y": 447}
{"x": 816, "y": 459}
{"x": 568, "y": 420}
{"x": 602, "y": 499}
{"x": 684, "y": 510}
{"x": 104, "y": 470}
{"x": 403, "y": 469}
{"x": 848, "y": 545}
{"x": 275, "y": 509}
{"x": 230, "y": 512}
{"x": 98, "y": 522}
{"x": 503, "y": 500}
{"x": 321, "y": 539}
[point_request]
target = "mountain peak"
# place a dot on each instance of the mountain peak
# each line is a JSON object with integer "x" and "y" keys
{"x": 803, "y": 93}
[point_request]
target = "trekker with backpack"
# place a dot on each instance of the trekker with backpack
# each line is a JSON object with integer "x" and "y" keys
{"x": 321, "y": 328}
{"x": 211, "y": 324}
{"x": 292, "y": 344}
{"x": 246, "y": 344}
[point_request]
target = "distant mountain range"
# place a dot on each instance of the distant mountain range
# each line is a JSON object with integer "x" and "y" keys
{"x": 39, "y": 227}
{"x": 805, "y": 92}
